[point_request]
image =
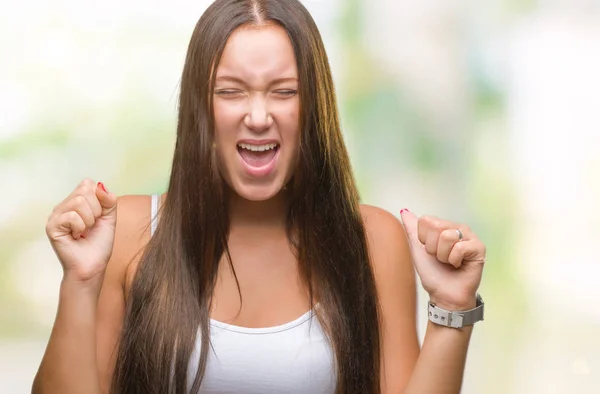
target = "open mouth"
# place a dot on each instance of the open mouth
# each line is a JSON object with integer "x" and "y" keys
{"x": 258, "y": 156}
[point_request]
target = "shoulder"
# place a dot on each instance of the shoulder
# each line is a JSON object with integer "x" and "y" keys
{"x": 131, "y": 235}
{"x": 133, "y": 216}
{"x": 389, "y": 250}
{"x": 375, "y": 217}
{"x": 390, "y": 256}
{"x": 385, "y": 233}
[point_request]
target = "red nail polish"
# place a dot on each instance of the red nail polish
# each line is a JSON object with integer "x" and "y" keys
{"x": 404, "y": 209}
{"x": 102, "y": 186}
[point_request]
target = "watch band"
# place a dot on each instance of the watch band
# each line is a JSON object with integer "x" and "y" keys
{"x": 456, "y": 319}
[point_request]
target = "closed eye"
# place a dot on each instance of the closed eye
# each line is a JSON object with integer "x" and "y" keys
{"x": 286, "y": 93}
{"x": 230, "y": 92}
{"x": 226, "y": 92}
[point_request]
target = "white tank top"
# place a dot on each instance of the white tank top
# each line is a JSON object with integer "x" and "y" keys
{"x": 292, "y": 358}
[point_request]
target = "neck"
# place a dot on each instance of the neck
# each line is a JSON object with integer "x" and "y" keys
{"x": 269, "y": 214}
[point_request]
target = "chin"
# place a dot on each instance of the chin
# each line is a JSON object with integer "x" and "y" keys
{"x": 257, "y": 193}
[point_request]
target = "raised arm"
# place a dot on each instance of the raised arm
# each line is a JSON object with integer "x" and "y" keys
{"x": 449, "y": 274}
{"x": 81, "y": 231}
{"x": 94, "y": 252}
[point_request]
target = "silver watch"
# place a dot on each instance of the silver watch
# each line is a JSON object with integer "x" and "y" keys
{"x": 456, "y": 319}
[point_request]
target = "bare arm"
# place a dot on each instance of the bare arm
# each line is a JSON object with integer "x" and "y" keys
{"x": 441, "y": 364}
{"x": 79, "y": 355}
{"x": 396, "y": 288}
{"x": 436, "y": 368}
{"x": 131, "y": 237}
{"x": 69, "y": 363}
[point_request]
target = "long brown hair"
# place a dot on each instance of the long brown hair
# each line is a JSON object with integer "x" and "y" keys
{"x": 171, "y": 293}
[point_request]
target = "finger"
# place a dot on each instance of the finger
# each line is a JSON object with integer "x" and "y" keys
{"x": 466, "y": 232}
{"x": 71, "y": 222}
{"x": 410, "y": 223}
{"x": 429, "y": 229}
{"x": 93, "y": 203}
{"x": 448, "y": 238}
{"x": 466, "y": 250}
{"x": 423, "y": 226}
{"x": 108, "y": 201}
{"x": 88, "y": 190}
{"x": 86, "y": 186}
{"x": 432, "y": 241}
{"x": 84, "y": 189}
{"x": 431, "y": 223}
{"x": 88, "y": 211}
{"x": 81, "y": 205}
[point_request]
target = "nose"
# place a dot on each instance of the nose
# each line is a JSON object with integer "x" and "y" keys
{"x": 258, "y": 117}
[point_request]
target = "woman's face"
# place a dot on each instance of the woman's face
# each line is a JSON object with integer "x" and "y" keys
{"x": 257, "y": 109}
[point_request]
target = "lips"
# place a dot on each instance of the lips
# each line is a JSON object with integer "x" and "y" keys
{"x": 258, "y": 159}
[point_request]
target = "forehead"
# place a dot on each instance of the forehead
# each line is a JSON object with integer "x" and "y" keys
{"x": 257, "y": 54}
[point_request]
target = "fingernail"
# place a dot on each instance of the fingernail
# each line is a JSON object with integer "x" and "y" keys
{"x": 403, "y": 210}
{"x": 102, "y": 186}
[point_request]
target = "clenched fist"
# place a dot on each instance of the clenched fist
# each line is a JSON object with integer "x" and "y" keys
{"x": 81, "y": 230}
{"x": 448, "y": 257}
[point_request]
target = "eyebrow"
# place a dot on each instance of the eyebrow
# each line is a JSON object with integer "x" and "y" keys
{"x": 227, "y": 78}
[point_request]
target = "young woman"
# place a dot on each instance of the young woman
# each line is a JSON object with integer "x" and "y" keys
{"x": 262, "y": 273}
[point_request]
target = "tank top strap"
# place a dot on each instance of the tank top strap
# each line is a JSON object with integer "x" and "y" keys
{"x": 153, "y": 214}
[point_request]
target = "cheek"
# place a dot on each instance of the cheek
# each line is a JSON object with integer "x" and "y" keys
{"x": 290, "y": 118}
{"x": 223, "y": 114}
{"x": 293, "y": 128}
{"x": 226, "y": 121}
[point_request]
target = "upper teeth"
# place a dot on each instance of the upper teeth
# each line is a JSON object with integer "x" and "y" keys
{"x": 257, "y": 148}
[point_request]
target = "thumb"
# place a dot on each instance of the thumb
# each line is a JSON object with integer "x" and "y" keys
{"x": 410, "y": 222}
{"x": 108, "y": 201}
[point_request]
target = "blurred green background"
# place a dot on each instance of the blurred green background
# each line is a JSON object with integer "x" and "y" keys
{"x": 479, "y": 112}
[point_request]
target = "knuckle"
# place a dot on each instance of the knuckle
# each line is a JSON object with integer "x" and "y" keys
{"x": 85, "y": 187}
{"x": 86, "y": 182}
{"x": 431, "y": 248}
{"x": 438, "y": 224}
{"x": 427, "y": 219}
{"x": 430, "y": 223}
{"x": 79, "y": 200}
{"x": 447, "y": 235}
{"x": 72, "y": 216}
